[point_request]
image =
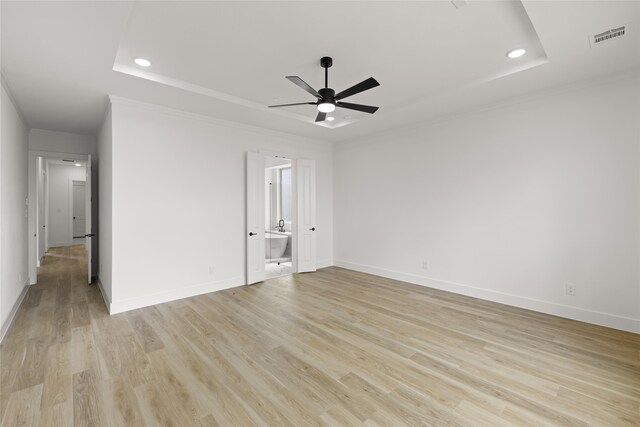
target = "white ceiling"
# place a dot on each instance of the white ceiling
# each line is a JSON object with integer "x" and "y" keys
{"x": 229, "y": 59}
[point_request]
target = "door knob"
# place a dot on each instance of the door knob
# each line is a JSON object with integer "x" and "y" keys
{"x": 252, "y": 234}
{"x": 312, "y": 229}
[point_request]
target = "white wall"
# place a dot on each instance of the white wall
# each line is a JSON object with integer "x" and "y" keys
{"x": 62, "y": 142}
{"x": 105, "y": 205}
{"x": 508, "y": 205}
{"x": 60, "y": 211}
{"x": 13, "y": 219}
{"x": 54, "y": 144}
{"x": 179, "y": 201}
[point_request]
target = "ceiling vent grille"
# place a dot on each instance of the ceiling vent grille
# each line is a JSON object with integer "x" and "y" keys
{"x": 614, "y": 33}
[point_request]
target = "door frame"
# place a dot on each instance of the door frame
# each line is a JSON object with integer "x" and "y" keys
{"x": 293, "y": 157}
{"x": 32, "y": 201}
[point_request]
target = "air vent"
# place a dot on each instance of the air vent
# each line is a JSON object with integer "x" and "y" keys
{"x": 67, "y": 160}
{"x": 614, "y": 33}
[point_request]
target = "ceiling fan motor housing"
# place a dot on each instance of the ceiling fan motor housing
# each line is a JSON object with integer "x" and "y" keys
{"x": 327, "y": 95}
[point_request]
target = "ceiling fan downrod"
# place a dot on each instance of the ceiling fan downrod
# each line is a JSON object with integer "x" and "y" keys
{"x": 326, "y": 62}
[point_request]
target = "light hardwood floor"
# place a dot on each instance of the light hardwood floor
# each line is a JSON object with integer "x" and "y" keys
{"x": 329, "y": 348}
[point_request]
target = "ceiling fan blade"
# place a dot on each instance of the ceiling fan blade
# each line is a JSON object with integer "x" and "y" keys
{"x": 289, "y": 105}
{"x": 321, "y": 117}
{"x": 359, "y": 107}
{"x": 298, "y": 81}
{"x": 360, "y": 87}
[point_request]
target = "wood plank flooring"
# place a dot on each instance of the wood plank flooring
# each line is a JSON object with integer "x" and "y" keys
{"x": 335, "y": 348}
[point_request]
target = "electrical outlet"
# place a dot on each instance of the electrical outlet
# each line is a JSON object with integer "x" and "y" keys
{"x": 425, "y": 265}
{"x": 571, "y": 290}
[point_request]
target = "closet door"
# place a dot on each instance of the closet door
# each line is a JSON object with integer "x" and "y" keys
{"x": 306, "y": 214}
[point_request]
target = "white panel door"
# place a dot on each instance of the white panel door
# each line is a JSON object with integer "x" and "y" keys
{"x": 306, "y": 214}
{"x": 78, "y": 209}
{"x": 87, "y": 206}
{"x": 255, "y": 218}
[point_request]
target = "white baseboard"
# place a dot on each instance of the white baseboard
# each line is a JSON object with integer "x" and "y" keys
{"x": 324, "y": 264}
{"x": 172, "y": 295}
{"x": 106, "y": 299}
{"x": 548, "y": 307}
{"x": 12, "y": 314}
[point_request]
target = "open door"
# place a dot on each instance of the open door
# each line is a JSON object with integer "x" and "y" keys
{"x": 87, "y": 206}
{"x": 306, "y": 214}
{"x": 255, "y": 218}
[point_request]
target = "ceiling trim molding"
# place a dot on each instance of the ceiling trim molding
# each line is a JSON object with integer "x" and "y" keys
{"x": 496, "y": 106}
{"x": 211, "y": 93}
{"x": 7, "y": 88}
{"x": 118, "y": 100}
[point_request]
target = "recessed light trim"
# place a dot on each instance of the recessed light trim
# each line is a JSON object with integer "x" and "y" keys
{"x": 78, "y": 164}
{"x": 516, "y": 53}
{"x": 330, "y": 118}
{"x": 142, "y": 62}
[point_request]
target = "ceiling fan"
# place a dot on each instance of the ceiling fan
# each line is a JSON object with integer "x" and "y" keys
{"x": 327, "y": 98}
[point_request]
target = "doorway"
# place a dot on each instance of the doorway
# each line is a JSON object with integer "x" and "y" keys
{"x": 60, "y": 206}
{"x": 278, "y": 217}
{"x": 281, "y": 203}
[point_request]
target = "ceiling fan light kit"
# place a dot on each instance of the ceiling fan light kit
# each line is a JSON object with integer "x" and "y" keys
{"x": 327, "y": 100}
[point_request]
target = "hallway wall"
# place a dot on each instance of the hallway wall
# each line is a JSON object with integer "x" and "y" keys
{"x": 13, "y": 210}
{"x": 104, "y": 206}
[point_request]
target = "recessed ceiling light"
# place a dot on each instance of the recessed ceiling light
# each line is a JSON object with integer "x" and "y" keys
{"x": 142, "y": 62}
{"x": 78, "y": 164}
{"x": 516, "y": 53}
{"x": 330, "y": 118}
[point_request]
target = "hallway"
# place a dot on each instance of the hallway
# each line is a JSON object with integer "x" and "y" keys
{"x": 47, "y": 339}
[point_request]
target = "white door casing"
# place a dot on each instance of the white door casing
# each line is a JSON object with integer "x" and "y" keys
{"x": 305, "y": 177}
{"x": 88, "y": 227}
{"x": 255, "y": 232}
